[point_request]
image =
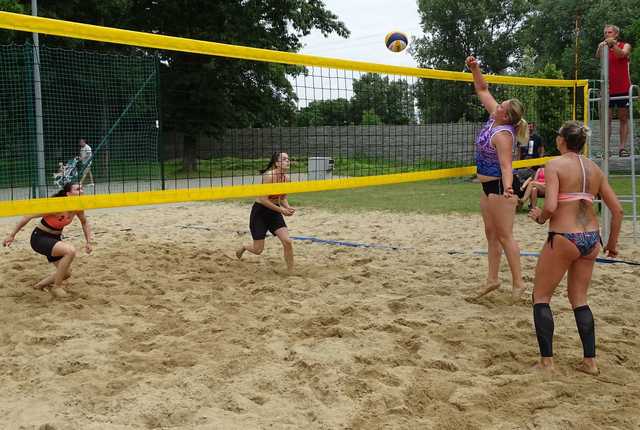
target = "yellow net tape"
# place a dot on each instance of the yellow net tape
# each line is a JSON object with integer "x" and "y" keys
{"x": 76, "y": 30}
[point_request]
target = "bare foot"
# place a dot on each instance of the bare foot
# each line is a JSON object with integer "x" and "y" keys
{"x": 516, "y": 293}
{"x": 58, "y": 292}
{"x": 42, "y": 287}
{"x": 488, "y": 287}
{"x": 542, "y": 366}
{"x": 239, "y": 252}
{"x": 588, "y": 368}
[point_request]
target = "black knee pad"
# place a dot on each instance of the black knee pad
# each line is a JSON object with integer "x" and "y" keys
{"x": 543, "y": 320}
{"x": 586, "y": 330}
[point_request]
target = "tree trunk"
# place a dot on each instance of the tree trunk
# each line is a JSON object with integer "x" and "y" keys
{"x": 189, "y": 153}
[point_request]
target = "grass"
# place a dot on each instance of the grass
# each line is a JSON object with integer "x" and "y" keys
{"x": 458, "y": 195}
{"x": 429, "y": 197}
{"x": 433, "y": 197}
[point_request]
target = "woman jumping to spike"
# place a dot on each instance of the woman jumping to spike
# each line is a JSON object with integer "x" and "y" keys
{"x": 46, "y": 240}
{"x": 573, "y": 242}
{"x": 267, "y": 212}
{"x": 493, "y": 160}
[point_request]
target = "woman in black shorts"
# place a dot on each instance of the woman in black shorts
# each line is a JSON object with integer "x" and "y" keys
{"x": 46, "y": 240}
{"x": 267, "y": 212}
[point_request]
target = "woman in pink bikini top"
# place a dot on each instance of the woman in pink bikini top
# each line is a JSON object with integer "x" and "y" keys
{"x": 573, "y": 241}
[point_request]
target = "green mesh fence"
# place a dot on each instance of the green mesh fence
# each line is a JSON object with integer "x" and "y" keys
{"x": 17, "y": 132}
{"x": 110, "y": 101}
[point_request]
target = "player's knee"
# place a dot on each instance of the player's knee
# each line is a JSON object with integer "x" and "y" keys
{"x": 287, "y": 243}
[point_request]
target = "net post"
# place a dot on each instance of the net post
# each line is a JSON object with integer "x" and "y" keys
{"x": 37, "y": 89}
{"x": 604, "y": 126}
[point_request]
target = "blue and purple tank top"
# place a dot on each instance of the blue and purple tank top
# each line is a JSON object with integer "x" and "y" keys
{"x": 487, "y": 162}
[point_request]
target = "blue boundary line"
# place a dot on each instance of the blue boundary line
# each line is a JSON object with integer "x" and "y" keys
{"x": 602, "y": 260}
{"x": 311, "y": 239}
{"x": 343, "y": 243}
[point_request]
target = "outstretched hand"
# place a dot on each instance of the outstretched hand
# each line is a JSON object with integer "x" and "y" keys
{"x": 508, "y": 193}
{"x": 8, "y": 241}
{"x": 471, "y": 62}
{"x": 287, "y": 211}
{"x": 610, "y": 251}
{"x": 535, "y": 213}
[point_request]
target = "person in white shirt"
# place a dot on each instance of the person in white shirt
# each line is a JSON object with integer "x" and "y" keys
{"x": 85, "y": 157}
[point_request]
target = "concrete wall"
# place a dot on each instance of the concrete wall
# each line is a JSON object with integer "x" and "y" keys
{"x": 442, "y": 142}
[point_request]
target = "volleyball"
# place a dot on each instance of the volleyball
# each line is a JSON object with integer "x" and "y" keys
{"x": 396, "y": 41}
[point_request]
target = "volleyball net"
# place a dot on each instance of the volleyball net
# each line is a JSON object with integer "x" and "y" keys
{"x": 172, "y": 119}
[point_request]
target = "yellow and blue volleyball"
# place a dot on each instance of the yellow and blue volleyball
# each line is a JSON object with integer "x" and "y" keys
{"x": 396, "y": 41}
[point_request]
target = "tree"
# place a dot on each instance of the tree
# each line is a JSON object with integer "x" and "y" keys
{"x": 369, "y": 117}
{"x": 325, "y": 112}
{"x": 550, "y": 32}
{"x": 7, "y": 36}
{"x": 203, "y": 94}
{"x": 390, "y": 100}
{"x": 487, "y": 29}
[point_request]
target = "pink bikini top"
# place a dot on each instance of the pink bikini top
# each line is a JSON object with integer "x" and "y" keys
{"x": 573, "y": 197}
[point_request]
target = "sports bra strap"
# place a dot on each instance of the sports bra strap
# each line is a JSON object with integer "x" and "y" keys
{"x": 583, "y": 195}
{"x": 584, "y": 175}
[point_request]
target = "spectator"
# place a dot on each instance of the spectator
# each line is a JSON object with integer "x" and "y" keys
{"x": 533, "y": 187}
{"x": 86, "y": 158}
{"x": 619, "y": 81}
{"x": 533, "y": 148}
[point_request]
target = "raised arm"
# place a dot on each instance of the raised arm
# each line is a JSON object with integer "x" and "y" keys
{"x": 481, "y": 86}
{"x": 612, "y": 43}
{"x": 623, "y": 52}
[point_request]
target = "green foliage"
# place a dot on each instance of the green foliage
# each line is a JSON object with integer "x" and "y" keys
{"x": 325, "y": 112}
{"x": 453, "y": 30}
{"x": 633, "y": 34}
{"x": 7, "y": 36}
{"x": 203, "y": 94}
{"x": 376, "y": 100}
{"x": 550, "y": 31}
{"x": 389, "y": 100}
{"x": 369, "y": 117}
{"x": 551, "y": 108}
{"x": 523, "y": 36}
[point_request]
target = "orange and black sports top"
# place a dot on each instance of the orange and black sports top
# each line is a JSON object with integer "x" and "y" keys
{"x": 58, "y": 221}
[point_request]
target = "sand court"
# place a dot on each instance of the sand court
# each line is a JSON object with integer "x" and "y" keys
{"x": 167, "y": 329}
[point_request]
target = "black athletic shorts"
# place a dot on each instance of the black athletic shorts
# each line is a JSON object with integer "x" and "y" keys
{"x": 495, "y": 187}
{"x": 264, "y": 219}
{"x": 43, "y": 243}
{"x": 621, "y": 103}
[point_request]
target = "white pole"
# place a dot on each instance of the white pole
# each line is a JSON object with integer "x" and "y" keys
{"x": 604, "y": 121}
{"x": 634, "y": 191}
{"x": 42, "y": 176}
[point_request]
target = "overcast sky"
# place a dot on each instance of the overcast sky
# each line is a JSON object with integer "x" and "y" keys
{"x": 369, "y": 21}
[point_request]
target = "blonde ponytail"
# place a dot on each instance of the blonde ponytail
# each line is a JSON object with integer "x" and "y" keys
{"x": 522, "y": 131}
{"x": 515, "y": 111}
